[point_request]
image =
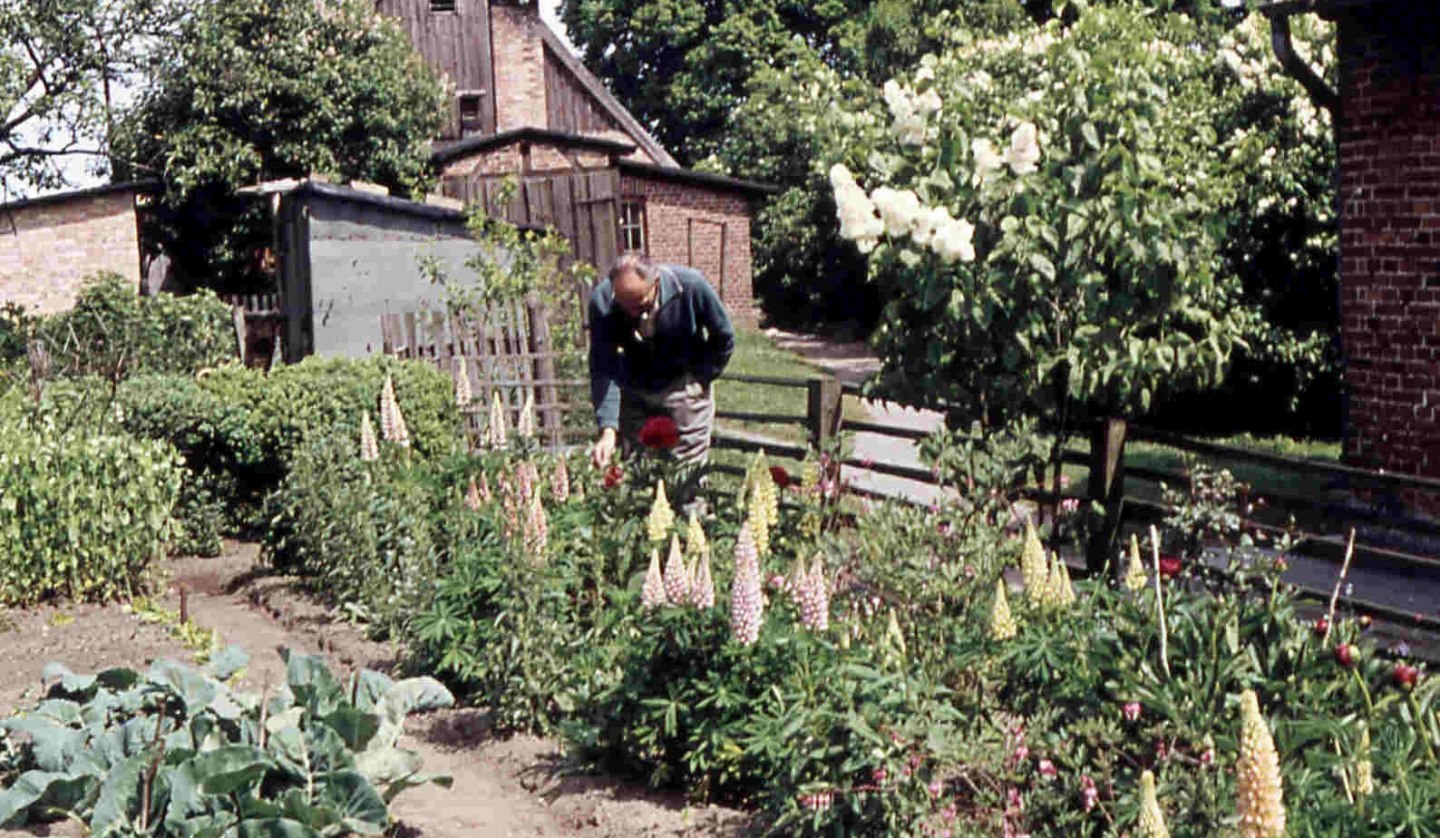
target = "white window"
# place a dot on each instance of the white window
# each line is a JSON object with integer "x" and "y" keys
{"x": 632, "y": 225}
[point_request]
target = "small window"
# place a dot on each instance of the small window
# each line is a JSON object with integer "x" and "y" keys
{"x": 632, "y": 225}
{"x": 470, "y": 119}
{"x": 442, "y": 5}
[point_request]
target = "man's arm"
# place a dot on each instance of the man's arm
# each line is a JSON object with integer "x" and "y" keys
{"x": 710, "y": 315}
{"x": 604, "y": 371}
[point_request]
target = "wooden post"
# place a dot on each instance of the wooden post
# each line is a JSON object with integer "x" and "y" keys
{"x": 1107, "y": 487}
{"x": 544, "y": 366}
{"x": 823, "y": 410}
{"x": 239, "y": 314}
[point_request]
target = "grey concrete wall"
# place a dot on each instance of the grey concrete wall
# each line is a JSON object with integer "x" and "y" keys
{"x": 365, "y": 260}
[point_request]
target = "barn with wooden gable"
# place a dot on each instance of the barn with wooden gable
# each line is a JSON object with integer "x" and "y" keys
{"x": 525, "y": 108}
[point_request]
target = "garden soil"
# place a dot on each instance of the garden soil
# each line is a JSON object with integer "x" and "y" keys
{"x": 504, "y": 786}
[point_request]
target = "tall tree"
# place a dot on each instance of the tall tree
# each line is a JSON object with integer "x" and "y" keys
{"x": 262, "y": 89}
{"x": 682, "y": 66}
{"x": 63, "y": 64}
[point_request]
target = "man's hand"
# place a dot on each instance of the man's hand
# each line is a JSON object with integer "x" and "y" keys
{"x": 604, "y": 448}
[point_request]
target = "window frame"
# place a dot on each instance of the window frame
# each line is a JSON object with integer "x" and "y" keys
{"x": 453, "y": 7}
{"x": 636, "y": 225}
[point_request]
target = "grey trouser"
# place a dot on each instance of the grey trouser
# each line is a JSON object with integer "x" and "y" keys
{"x": 690, "y": 403}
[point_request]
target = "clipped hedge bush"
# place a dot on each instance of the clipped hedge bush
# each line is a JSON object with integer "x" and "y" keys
{"x": 249, "y": 424}
{"x": 82, "y": 515}
{"x": 240, "y": 430}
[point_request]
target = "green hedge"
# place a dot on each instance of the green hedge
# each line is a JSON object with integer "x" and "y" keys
{"x": 240, "y": 429}
{"x": 114, "y": 332}
{"x": 82, "y": 515}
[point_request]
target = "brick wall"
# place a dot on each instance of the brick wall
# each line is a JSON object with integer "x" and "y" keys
{"x": 47, "y": 249}
{"x": 1390, "y": 246}
{"x": 692, "y": 225}
{"x": 519, "y": 67}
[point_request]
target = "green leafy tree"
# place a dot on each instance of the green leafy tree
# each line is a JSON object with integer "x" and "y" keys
{"x": 682, "y": 66}
{"x": 62, "y": 63}
{"x": 263, "y": 89}
{"x": 1045, "y": 234}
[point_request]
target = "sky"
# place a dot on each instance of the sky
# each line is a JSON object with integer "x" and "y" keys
{"x": 75, "y": 167}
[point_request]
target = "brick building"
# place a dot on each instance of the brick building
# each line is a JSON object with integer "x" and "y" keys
{"x": 1388, "y": 118}
{"x": 526, "y": 109}
{"x": 51, "y": 244}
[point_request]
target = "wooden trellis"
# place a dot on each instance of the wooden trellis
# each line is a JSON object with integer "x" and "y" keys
{"x": 507, "y": 350}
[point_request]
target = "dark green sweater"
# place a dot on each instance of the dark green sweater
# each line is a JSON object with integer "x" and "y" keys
{"x": 692, "y": 336}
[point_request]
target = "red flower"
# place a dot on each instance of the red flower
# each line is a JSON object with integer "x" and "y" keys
{"x": 780, "y": 476}
{"x": 614, "y": 477}
{"x": 1345, "y": 655}
{"x": 1405, "y": 675}
{"x": 1322, "y": 625}
{"x": 1169, "y": 566}
{"x": 659, "y": 432}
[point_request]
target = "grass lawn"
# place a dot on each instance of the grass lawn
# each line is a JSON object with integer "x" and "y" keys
{"x": 756, "y": 355}
{"x": 1265, "y": 481}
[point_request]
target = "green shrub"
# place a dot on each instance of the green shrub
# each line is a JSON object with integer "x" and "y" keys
{"x": 82, "y": 515}
{"x": 240, "y": 429}
{"x": 367, "y": 535}
{"x": 113, "y": 332}
{"x": 174, "y": 752}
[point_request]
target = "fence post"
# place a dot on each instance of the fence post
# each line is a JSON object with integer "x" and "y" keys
{"x": 1107, "y": 487}
{"x": 544, "y": 365}
{"x": 238, "y": 314}
{"x": 823, "y": 410}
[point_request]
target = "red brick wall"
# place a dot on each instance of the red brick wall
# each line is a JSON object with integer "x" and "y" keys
{"x": 686, "y": 224}
{"x": 519, "y": 67}
{"x": 47, "y": 250}
{"x": 1390, "y": 248}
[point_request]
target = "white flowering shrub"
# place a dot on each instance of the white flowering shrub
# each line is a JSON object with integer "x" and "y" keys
{"x": 1042, "y": 216}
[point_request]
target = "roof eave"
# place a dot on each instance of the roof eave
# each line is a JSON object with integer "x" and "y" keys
{"x": 749, "y": 187}
{"x": 462, "y": 148}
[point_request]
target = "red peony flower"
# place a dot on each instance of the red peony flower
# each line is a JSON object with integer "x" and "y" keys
{"x": 780, "y": 476}
{"x": 614, "y": 477}
{"x": 1405, "y": 675}
{"x": 1344, "y": 654}
{"x": 1322, "y": 625}
{"x": 1169, "y": 566}
{"x": 660, "y": 433}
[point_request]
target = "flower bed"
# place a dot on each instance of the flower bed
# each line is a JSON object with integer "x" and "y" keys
{"x": 887, "y": 679}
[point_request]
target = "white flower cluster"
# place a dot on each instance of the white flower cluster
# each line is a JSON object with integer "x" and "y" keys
{"x": 1024, "y": 150}
{"x": 858, "y": 221}
{"x": 900, "y": 214}
{"x": 910, "y": 110}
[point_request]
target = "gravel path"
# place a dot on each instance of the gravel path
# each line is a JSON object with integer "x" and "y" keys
{"x": 852, "y": 363}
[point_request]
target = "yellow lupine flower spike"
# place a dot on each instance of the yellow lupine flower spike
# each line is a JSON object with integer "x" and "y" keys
{"x": 1152, "y": 820}
{"x": 1258, "y": 793}
{"x": 661, "y": 515}
{"x": 1135, "y": 578}
{"x": 1002, "y": 622}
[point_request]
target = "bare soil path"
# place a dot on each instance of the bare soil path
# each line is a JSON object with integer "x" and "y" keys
{"x": 516, "y": 786}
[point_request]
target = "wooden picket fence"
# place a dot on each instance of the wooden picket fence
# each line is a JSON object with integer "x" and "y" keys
{"x": 507, "y": 350}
